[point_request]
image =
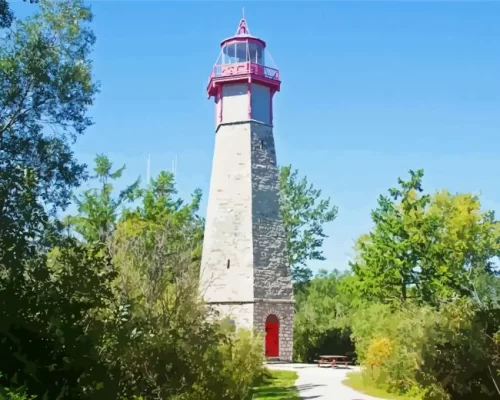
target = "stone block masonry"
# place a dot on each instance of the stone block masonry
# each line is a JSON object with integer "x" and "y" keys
{"x": 273, "y": 290}
{"x": 244, "y": 270}
{"x": 284, "y": 311}
{"x": 272, "y": 277}
{"x": 227, "y": 260}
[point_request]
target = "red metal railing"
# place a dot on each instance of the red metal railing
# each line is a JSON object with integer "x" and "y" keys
{"x": 244, "y": 68}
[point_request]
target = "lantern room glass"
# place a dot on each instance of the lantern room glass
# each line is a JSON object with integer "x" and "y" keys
{"x": 239, "y": 52}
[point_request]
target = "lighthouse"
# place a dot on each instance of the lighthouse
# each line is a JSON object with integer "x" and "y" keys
{"x": 244, "y": 271}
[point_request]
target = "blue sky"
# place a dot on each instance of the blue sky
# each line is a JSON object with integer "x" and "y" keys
{"x": 370, "y": 89}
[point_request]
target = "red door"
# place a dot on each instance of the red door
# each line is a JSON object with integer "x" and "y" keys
{"x": 272, "y": 336}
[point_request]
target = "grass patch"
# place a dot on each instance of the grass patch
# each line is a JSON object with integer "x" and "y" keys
{"x": 355, "y": 381}
{"x": 276, "y": 385}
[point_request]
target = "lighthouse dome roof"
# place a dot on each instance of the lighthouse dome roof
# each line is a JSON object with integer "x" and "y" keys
{"x": 242, "y": 35}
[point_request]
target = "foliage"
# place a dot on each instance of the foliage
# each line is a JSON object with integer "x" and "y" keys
{"x": 360, "y": 383}
{"x": 304, "y": 214}
{"x": 243, "y": 363}
{"x": 421, "y": 304}
{"x": 49, "y": 334}
{"x": 14, "y": 394}
{"x": 390, "y": 344}
{"x": 425, "y": 326}
{"x": 45, "y": 89}
{"x": 428, "y": 353}
{"x": 116, "y": 315}
{"x": 6, "y": 15}
{"x": 159, "y": 208}
{"x": 378, "y": 352}
{"x": 322, "y": 317}
{"x": 171, "y": 351}
{"x": 46, "y": 71}
{"x": 131, "y": 325}
{"x": 425, "y": 247}
{"x": 98, "y": 210}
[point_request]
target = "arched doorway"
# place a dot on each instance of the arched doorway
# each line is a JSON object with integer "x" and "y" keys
{"x": 272, "y": 336}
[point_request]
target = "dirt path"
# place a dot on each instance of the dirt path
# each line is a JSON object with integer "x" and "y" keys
{"x": 322, "y": 383}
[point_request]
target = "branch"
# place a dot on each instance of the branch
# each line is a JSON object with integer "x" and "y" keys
{"x": 19, "y": 112}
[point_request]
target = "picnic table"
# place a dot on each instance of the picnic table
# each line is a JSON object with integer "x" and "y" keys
{"x": 333, "y": 361}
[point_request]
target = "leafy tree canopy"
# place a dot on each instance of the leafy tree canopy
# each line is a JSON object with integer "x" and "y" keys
{"x": 46, "y": 88}
{"x": 425, "y": 247}
{"x": 6, "y": 15}
{"x": 98, "y": 209}
{"x": 304, "y": 214}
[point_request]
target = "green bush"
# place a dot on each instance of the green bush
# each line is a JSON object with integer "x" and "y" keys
{"x": 160, "y": 341}
{"x": 243, "y": 364}
{"x": 14, "y": 394}
{"x": 321, "y": 324}
{"x": 389, "y": 344}
{"x": 426, "y": 353}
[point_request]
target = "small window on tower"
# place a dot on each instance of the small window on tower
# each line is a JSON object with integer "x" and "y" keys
{"x": 228, "y": 263}
{"x": 262, "y": 145}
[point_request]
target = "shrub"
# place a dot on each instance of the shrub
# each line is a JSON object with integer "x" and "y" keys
{"x": 379, "y": 351}
{"x": 430, "y": 354}
{"x": 243, "y": 363}
{"x": 161, "y": 341}
{"x": 389, "y": 344}
{"x": 14, "y": 394}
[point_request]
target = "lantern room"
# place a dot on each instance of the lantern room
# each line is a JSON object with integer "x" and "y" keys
{"x": 242, "y": 49}
{"x": 243, "y": 59}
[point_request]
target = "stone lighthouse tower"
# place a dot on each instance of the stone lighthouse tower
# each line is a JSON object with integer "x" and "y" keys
{"x": 244, "y": 269}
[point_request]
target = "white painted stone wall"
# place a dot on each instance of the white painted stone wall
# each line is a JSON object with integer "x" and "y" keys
{"x": 227, "y": 258}
{"x": 235, "y": 102}
{"x": 261, "y": 102}
{"x": 244, "y": 270}
{"x": 241, "y": 314}
{"x": 217, "y": 108}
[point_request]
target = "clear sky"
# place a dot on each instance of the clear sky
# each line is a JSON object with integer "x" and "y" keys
{"x": 370, "y": 89}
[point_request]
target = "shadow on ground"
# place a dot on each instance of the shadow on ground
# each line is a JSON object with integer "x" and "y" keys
{"x": 278, "y": 393}
{"x": 284, "y": 392}
{"x": 308, "y": 386}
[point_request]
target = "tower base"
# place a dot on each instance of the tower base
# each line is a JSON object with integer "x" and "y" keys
{"x": 284, "y": 310}
{"x": 271, "y": 319}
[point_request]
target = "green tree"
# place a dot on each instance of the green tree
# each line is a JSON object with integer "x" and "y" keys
{"x": 52, "y": 322}
{"x": 425, "y": 247}
{"x": 461, "y": 258}
{"x": 6, "y": 15}
{"x": 98, "y": 209}
{"x": 46, "y": 87}
{"x": 159, "y": 207}
{"x": 165, "y": 339}
{"x": 304, "y": 214}
{"x": 158, "y": 204}
{"x": 158, "y": 242}
{"x": 323, "y": 317}
{"x": 391, "y": 252}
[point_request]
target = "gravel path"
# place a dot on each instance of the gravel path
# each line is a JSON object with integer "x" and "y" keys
{"x": 322, "y": 383}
